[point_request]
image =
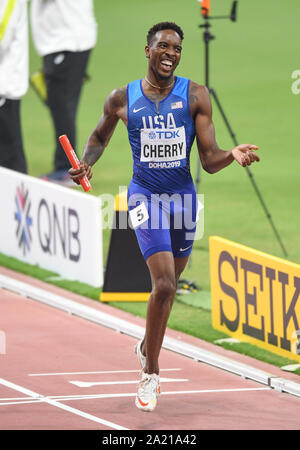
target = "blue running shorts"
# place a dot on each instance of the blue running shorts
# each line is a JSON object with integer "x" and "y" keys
{"x": 163, "y": 222}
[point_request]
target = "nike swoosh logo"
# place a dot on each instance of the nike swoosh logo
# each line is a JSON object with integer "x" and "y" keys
{"x": 142, "y": 403}
{"x": 59, "y": 58}
{"x": 138, "y": 109}
{"x": 184, "y": 249}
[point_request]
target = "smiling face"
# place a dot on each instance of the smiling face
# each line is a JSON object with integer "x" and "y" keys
{"x": 164, "y": 53}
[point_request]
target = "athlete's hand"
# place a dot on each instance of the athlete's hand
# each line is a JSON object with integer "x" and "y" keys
{"x": 244, "y": 154}
{"x": 84, "y": 170}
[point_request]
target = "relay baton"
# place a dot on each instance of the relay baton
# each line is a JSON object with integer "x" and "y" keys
{"x": 205, "y": 8}
{"x": 72, "y": 157}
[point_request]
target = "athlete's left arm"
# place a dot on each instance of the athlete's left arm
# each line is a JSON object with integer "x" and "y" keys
{"x": 212, "y": 157}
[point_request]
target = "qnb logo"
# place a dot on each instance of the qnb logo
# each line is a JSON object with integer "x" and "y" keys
{"x": 23, "y": 219}
{"x": 296, "y": 84}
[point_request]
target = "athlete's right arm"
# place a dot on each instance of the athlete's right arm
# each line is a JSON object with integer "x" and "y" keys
{"x": 115, "y": 108}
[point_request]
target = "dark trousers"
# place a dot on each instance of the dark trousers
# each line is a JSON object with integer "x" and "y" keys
{"x": 64, "y": 75}
{"x": 11, "y": 143}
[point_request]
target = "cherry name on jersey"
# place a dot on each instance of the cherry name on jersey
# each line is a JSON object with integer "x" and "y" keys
{"x": 162, "y": 142}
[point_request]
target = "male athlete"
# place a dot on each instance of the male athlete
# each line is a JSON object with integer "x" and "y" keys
{"x": 163, "y": 115}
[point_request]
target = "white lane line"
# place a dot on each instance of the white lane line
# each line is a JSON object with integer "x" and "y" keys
{"x": 53, "y": 402}
{"x": 91, "y": 373}
{"x": 133, "y": 394}
{"x": 212, "y": 391}
{"x": 22, "y": 402}
{"x": 85, "y": 384}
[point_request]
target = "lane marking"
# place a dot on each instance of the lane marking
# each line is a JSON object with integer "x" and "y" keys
{"x": 90, "y": 373}
{"x": 213, "y": 391}
{"x": 35, "y": 396}
{"x": 21, "y": 402}
{"x": 85, "y": 384}
{"x": 133, "y": 394}
{"x": 130, "y": 394}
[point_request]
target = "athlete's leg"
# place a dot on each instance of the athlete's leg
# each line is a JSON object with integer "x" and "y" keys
{"x": 158, "y": 245}
{"x": 180, "y": 265}
{"x": 165, "y": 271}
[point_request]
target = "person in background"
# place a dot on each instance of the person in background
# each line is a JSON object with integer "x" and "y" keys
{"x": 64, "y": 33}
{"x": 13, "y": 81}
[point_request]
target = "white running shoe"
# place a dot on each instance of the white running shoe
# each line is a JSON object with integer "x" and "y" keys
{"x": 148, "y": 391}
{"x": 141, "y": 357}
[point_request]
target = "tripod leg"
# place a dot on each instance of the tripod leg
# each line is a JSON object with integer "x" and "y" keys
{"x": 214, "y": 94}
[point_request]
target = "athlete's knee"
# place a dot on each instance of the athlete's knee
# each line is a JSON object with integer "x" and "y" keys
{"x": 164, "y": 289}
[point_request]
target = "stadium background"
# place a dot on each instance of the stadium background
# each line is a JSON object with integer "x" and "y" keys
{"x": 252, "y": 62}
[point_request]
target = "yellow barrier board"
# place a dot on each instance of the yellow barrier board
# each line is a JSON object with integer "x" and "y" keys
{"x": 124, "y": 296}
{"x": 255, "y": 297}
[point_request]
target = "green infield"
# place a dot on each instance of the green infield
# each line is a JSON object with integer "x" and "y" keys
{"x": 251, "y": 66}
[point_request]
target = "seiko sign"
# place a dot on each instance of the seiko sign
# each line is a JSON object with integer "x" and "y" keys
{"x": 255, "y": 297}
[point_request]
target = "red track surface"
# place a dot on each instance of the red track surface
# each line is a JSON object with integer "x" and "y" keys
{"x": 46, "y": 348}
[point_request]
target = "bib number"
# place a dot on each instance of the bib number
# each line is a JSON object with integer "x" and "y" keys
{"x": 163, "y": 148}
{"x": 138, "y": 215}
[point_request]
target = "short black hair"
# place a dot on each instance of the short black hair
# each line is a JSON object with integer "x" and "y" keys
{"x": 163, "y": 26}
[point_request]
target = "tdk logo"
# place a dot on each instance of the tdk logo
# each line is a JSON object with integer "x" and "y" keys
{"x": 164, "y": 134}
